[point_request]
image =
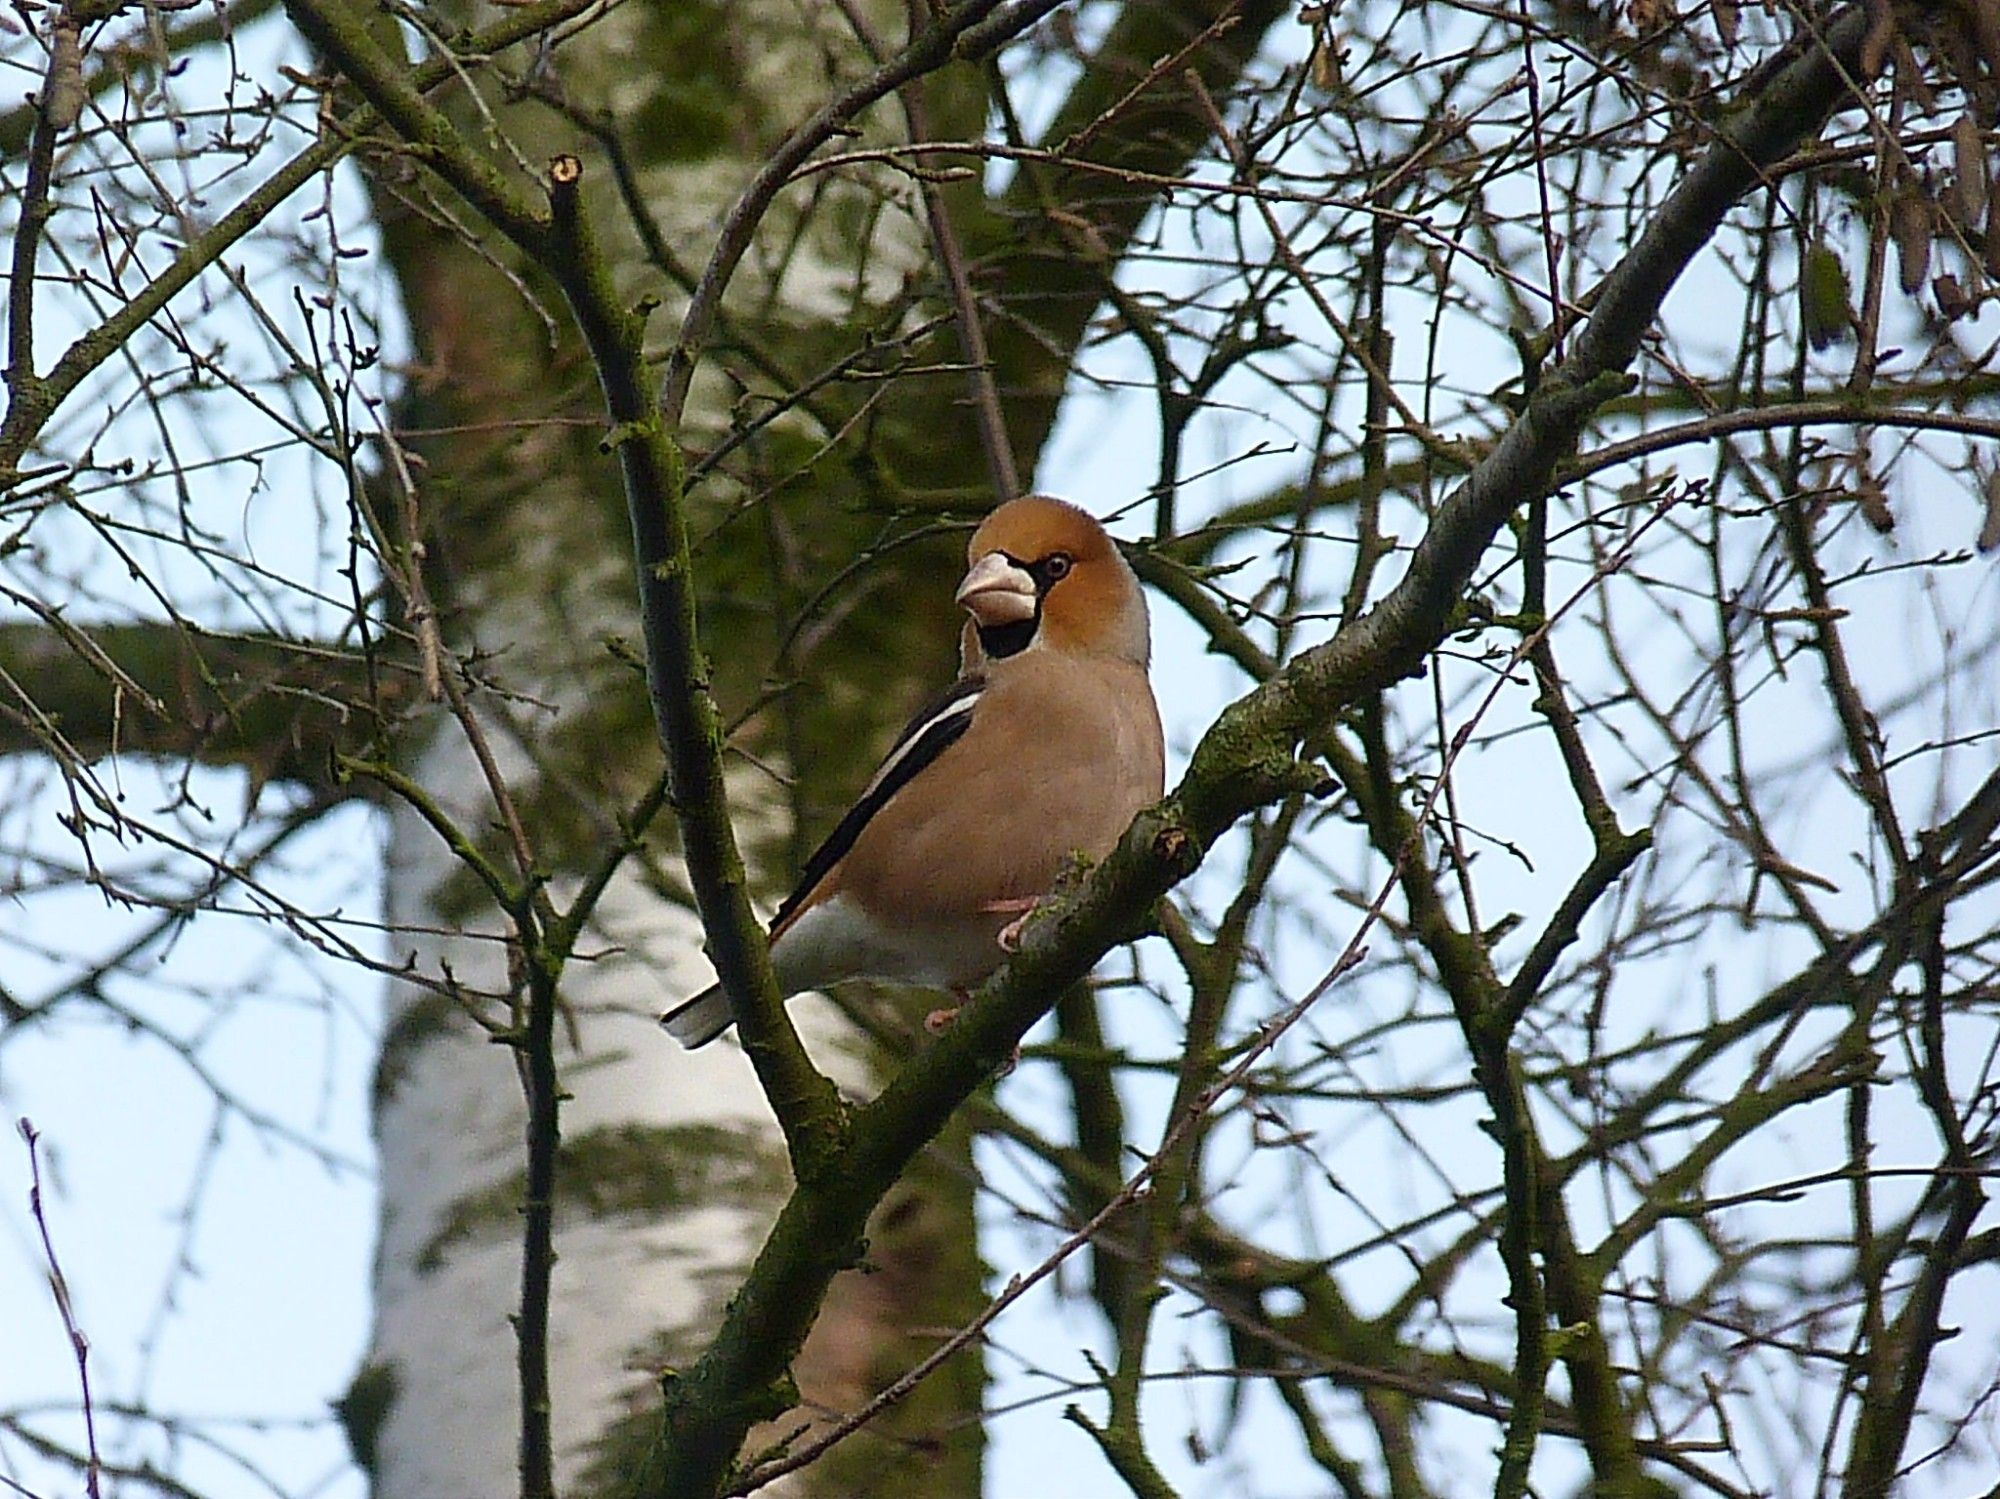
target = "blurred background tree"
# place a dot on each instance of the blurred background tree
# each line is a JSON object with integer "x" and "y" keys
{"x": 1583, "y": 1072}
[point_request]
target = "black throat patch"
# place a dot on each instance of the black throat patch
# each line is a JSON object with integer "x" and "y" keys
{"x": 1001, "y": 641}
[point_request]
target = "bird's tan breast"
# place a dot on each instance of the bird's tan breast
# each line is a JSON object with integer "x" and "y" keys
{"x": 1059, "y": 756}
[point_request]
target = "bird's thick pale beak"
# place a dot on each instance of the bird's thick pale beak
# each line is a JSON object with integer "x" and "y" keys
{"x": 997, "y": 592}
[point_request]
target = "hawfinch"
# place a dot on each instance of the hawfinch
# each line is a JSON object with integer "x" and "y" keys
{"x": 1047, "y": 745}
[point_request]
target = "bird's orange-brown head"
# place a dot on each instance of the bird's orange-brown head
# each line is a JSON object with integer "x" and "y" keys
{"x": 1043, "y": 574}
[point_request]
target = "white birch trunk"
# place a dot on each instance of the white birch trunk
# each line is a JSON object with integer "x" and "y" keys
{"x": 673, "y": 1169}
{"x": 682, "y": 1172}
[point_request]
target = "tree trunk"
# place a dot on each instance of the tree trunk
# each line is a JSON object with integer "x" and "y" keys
{"x": 671, "y": 1166}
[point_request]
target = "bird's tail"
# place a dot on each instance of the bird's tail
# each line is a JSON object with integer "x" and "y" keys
{"x": 698, "y": 1021}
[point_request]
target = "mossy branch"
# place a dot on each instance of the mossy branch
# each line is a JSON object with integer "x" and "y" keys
{"x": 1244, "y": 761}
{"x": 677, "y": 680}
{"x": 507, "y": 894}
{"x": 341, "y": 33}
{"x": 279, "y": 708}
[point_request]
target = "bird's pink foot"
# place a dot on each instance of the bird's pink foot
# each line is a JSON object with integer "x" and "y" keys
{"x": 1021, "y": 908}
{"x": 937, "y": 1020}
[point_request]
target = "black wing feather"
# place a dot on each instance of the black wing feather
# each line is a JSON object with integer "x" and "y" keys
{"x": 933, "y": 729}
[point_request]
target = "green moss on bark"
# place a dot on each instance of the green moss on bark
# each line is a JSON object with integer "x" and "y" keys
{"x": 363, "y": 1410}
{"x": 637, "y": 1171}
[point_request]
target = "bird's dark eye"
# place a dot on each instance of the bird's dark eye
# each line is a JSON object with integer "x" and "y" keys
{"x": 1056, "y": 566}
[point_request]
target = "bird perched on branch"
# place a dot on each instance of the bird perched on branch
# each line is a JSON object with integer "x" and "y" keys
{"x": 1047, "y": 745}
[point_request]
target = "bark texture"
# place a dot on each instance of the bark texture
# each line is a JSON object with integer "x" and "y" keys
{"x": 671, "y": 1169}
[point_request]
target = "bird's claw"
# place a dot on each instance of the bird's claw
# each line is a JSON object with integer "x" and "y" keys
{"x": 938, "y": 1020}
{"x": 1009, "y": 936}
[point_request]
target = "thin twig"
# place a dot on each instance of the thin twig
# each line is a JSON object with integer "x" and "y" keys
{"x": 986, "y": 408}
{"x": 59, "y": 1288}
